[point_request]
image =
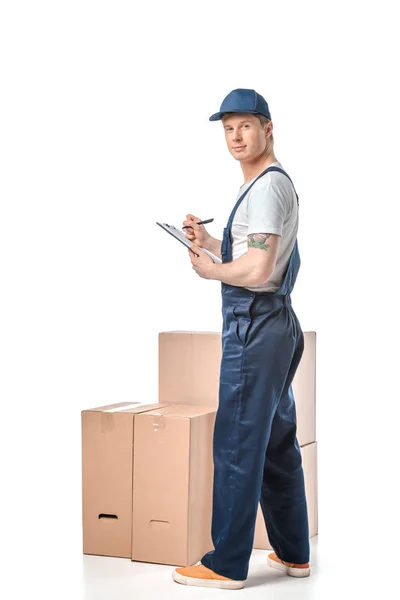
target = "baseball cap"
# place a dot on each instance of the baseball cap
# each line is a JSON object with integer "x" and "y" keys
{"x": 242, "y": 101}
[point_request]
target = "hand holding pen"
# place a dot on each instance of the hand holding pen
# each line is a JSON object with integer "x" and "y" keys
{"x": 197, "y": 234}
{"x": 199, "y": 223}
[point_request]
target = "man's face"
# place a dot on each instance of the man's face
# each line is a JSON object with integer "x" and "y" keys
{"x": 245, "y": 137}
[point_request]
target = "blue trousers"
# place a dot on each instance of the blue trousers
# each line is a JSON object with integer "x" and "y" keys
{"x": 256, "y": 453}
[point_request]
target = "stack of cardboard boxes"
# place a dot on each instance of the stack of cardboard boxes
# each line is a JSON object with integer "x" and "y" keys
{"x": 147, "y": 469}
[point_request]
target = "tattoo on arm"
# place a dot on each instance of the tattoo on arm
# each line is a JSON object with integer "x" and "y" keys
{"x": 258, "y": 240}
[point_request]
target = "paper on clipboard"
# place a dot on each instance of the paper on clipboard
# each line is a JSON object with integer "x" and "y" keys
{"x": 179, "y": 235}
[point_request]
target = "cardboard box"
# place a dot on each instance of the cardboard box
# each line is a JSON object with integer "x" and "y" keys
{"x": 173, "y": 484}
{"x": 309, "y": 456}
{"x": 304, "y": 391}
{"x": 107, "y": 475}
{"x": 189, "y": 367}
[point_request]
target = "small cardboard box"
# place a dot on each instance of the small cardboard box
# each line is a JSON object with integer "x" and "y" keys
{"x": 107, "y": 475}
{"x": 309, "y": 456}
{"x": 189, "y": 368}
{"x": 173, "y": 484}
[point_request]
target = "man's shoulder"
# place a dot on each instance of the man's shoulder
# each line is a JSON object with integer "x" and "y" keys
{"x": 274, "y": 178}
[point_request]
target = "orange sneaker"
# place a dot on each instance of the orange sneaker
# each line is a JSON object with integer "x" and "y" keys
{"x": 292, "y": 569}
{"x": 200, "y": 575}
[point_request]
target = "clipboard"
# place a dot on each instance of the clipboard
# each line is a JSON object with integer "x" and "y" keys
{"x": 180, "y": 236}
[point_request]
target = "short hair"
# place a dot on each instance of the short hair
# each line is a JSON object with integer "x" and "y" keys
{"x": 262, "y": 118}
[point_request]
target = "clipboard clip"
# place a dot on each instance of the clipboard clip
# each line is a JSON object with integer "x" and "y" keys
{"x": 173, "y": 227}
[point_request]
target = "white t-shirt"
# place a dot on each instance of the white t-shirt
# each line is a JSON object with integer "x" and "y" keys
{"x": 269, "y": 207}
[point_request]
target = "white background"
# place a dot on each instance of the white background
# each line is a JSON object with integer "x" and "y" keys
{"x": 104, "y": 131}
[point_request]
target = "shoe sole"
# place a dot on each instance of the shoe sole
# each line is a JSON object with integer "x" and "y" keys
{"x": 292, "y": 571}
{"x": 215, "y": 583}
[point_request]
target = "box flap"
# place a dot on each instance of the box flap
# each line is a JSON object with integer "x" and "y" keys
{"x": 191, "y": 332}
{"x": 127, "y": 407}
{"x": 183, "y": 410}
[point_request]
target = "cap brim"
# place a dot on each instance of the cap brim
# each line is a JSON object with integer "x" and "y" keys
{"x": 217, "y": 116}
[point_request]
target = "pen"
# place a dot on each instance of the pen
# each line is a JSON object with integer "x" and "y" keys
{"x": 199, "y": 223}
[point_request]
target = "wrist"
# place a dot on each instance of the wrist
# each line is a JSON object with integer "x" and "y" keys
{"x": 210, "y": 244}
{"x": 212, "y": 271}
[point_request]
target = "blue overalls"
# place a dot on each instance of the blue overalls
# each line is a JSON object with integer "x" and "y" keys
{"x": 255, "y": 449}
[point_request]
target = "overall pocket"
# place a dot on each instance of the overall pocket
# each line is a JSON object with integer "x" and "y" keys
{"x": 241, "y": 323}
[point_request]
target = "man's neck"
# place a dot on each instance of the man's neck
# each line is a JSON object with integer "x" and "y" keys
{"x": 252, "y": 170}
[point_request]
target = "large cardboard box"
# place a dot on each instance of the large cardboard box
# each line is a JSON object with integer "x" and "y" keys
{"x": 107, "y": 475}
{"x": 304, "y": 391}
{"x": 309, "y": 456}
{"x": 173, "y": 484}
{"x": 189, "y": 369}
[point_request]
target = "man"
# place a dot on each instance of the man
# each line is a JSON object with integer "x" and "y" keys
{"x": 256, "y": 453}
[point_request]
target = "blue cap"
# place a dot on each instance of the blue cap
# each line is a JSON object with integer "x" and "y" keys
{"x": 242, "y": 101}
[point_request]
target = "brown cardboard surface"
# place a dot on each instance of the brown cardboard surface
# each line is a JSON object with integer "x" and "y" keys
{"x": 309, "y": 457}
{"x": 107, "y": 462}
{"x": 172, "y": 484}
{"x": 189, "y": 369}
{"x": 189, "y": 364}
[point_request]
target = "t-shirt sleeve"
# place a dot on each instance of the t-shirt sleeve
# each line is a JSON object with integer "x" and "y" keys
{"x": 267, "y": 209}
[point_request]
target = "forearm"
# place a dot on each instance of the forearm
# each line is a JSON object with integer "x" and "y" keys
{"x": 240, "y": 272}
{"x": 214, "y": 246}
